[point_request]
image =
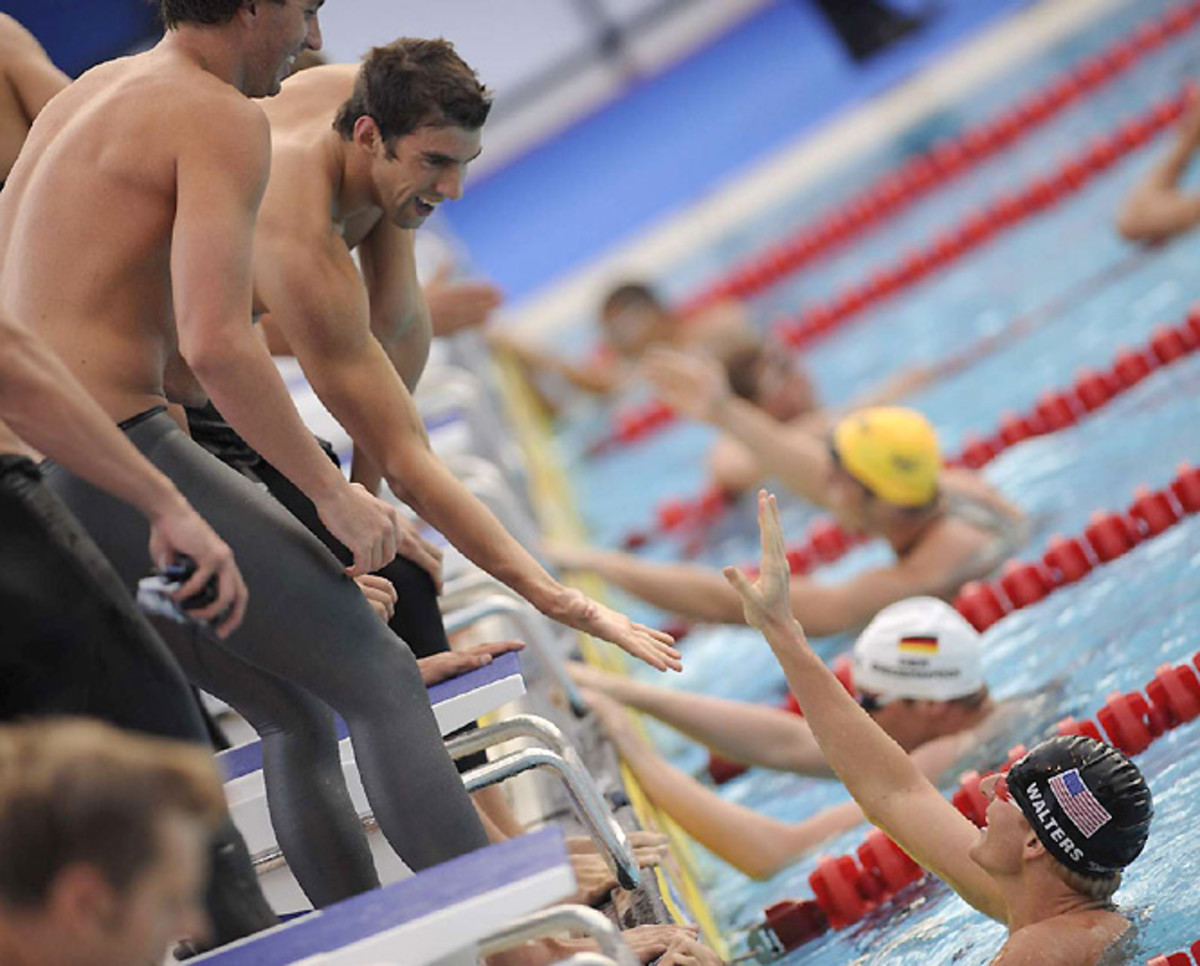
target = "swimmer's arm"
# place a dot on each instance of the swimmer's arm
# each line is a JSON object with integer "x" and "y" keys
{"x": 885, "y": 782}
{"x": 400, "y": 319}
{"x": 799, "y": 460}
{"x": 732, "y": 467}
{"x": 833, "y": 608}
{"x": 757, "y": 844}
{"x": 317, "y": 298}
{"x": 27, "y": 68}
{"x": 220, "y": 180}
{"x": 1156, "y": 209}
{"x": 697, "y": 593}
{"x": 47, "y": 407}
{"x": 589, "y": 376}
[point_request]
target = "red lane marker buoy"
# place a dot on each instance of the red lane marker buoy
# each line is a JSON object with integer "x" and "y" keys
{"x": 1066, "y": 560}
{"x": 945, "y": 160}
{"x": 979, "y": 603}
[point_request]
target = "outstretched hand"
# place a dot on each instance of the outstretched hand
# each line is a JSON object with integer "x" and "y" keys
{"x": 765, "y": 602}
{"x": 575, "y": 609}
{"x": 692, "y": 385}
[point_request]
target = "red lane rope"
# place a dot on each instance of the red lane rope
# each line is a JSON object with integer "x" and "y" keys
{"x": 947, "y": 159}
{"x": 636, "y": 423}
{"x": 1055, "y": 409}
{"x": 847, "y": 887}
{"x": 1178, "y": 959}
{"x": 981, "y": 226}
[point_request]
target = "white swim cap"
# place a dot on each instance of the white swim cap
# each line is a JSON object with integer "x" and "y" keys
{"x": 919, "y": 648}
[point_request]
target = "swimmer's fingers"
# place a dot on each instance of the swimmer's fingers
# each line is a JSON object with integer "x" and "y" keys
{"x": 495, "y": 648}
{"x": 380, "y": 594}
{"x": 238, "y": 597}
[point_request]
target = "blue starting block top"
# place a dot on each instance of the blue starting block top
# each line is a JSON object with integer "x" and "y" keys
{"x": 439, "y": 889}
{"x": 246, "y": 759}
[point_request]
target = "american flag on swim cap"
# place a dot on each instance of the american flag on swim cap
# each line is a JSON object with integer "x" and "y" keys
{"x": 1077, "y": 800}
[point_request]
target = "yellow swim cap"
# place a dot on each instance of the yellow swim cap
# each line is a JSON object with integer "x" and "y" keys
{"x": 893, "y": 452}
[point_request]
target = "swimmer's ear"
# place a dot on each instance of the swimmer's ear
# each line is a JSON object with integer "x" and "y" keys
{"x": 1034, "y": 849}
{"x": 366, "y": 133}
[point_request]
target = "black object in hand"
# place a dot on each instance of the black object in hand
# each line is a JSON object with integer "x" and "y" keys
{"x": 180, "y": 572}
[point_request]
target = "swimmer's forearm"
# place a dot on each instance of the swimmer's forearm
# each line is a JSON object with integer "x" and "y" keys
{"x": 419, "y": 478}
{"x": 747, "y": 840}
{"x": 874, "y": 769}
{"x": 248, "y": 390}
{"x": 798, "y": 460}
{"x": 692, "y": 592}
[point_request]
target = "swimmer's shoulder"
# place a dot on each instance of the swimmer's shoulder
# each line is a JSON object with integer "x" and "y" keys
{"x": 1072, "y": 939}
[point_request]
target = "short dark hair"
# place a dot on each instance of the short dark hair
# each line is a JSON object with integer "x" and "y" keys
{"x": 209, "y": 12}
{"x": 743, "y": 368}
{"x": 412, "y": 83}
{"x": 630, "y": 293}
{"x": 75, "y": 791}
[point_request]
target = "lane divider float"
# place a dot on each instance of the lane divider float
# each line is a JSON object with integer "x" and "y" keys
{"x": 945, "y": 160}
{"x": 634, "y": 424}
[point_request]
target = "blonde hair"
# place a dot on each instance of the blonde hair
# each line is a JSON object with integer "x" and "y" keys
{"x": 75, "y": 791}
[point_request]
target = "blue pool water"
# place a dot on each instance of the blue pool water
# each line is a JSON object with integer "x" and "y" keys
{"x": 1111, "y": 630}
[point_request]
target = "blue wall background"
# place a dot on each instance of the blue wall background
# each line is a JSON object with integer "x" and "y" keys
{"x": 79, "y": 34}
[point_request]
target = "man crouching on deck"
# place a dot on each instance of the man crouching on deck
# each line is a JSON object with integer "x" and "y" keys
{"x": 1061, "y": 825}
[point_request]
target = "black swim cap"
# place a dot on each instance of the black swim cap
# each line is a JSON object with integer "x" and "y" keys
{"x": 1087, "y": 802}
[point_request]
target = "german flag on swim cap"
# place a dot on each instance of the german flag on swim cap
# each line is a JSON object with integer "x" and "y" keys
{"x": 892, "y": 451}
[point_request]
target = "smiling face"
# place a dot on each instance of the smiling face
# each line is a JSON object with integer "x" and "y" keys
{"x": 282, "y": 31}
{"x": 421, "y": 170}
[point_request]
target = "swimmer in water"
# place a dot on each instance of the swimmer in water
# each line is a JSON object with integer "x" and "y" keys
{"x": 633, "y": 318}
{"x": 1061, "y": 826}
{"x": 1157, "y": 209}
{"x": 917, "y": 672}
{"x": 880, "y": 472}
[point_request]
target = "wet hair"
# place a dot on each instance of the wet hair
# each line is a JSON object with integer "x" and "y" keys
{"x": 208, "y": 12}
{"x": 413, "y": 83}
{"x": 972, "y": 701}
{"x": 627, "y": 294}
{"x": 743, "y": 367}
{"x": 1097, "y": 888}
{"x": 81, "y": 792}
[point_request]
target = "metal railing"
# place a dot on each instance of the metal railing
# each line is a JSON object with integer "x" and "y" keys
{"x": 559, "y": 919}
{"x": 561, "y": 759}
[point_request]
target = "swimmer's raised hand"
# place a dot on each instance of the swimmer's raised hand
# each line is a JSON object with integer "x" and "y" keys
{"x": 370, "y": 529}
{"x": 575, "y": 609}
{"x": 765, "y": 601}
{"x": 180, "y": 532}
{"x": 692, "y": 385}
